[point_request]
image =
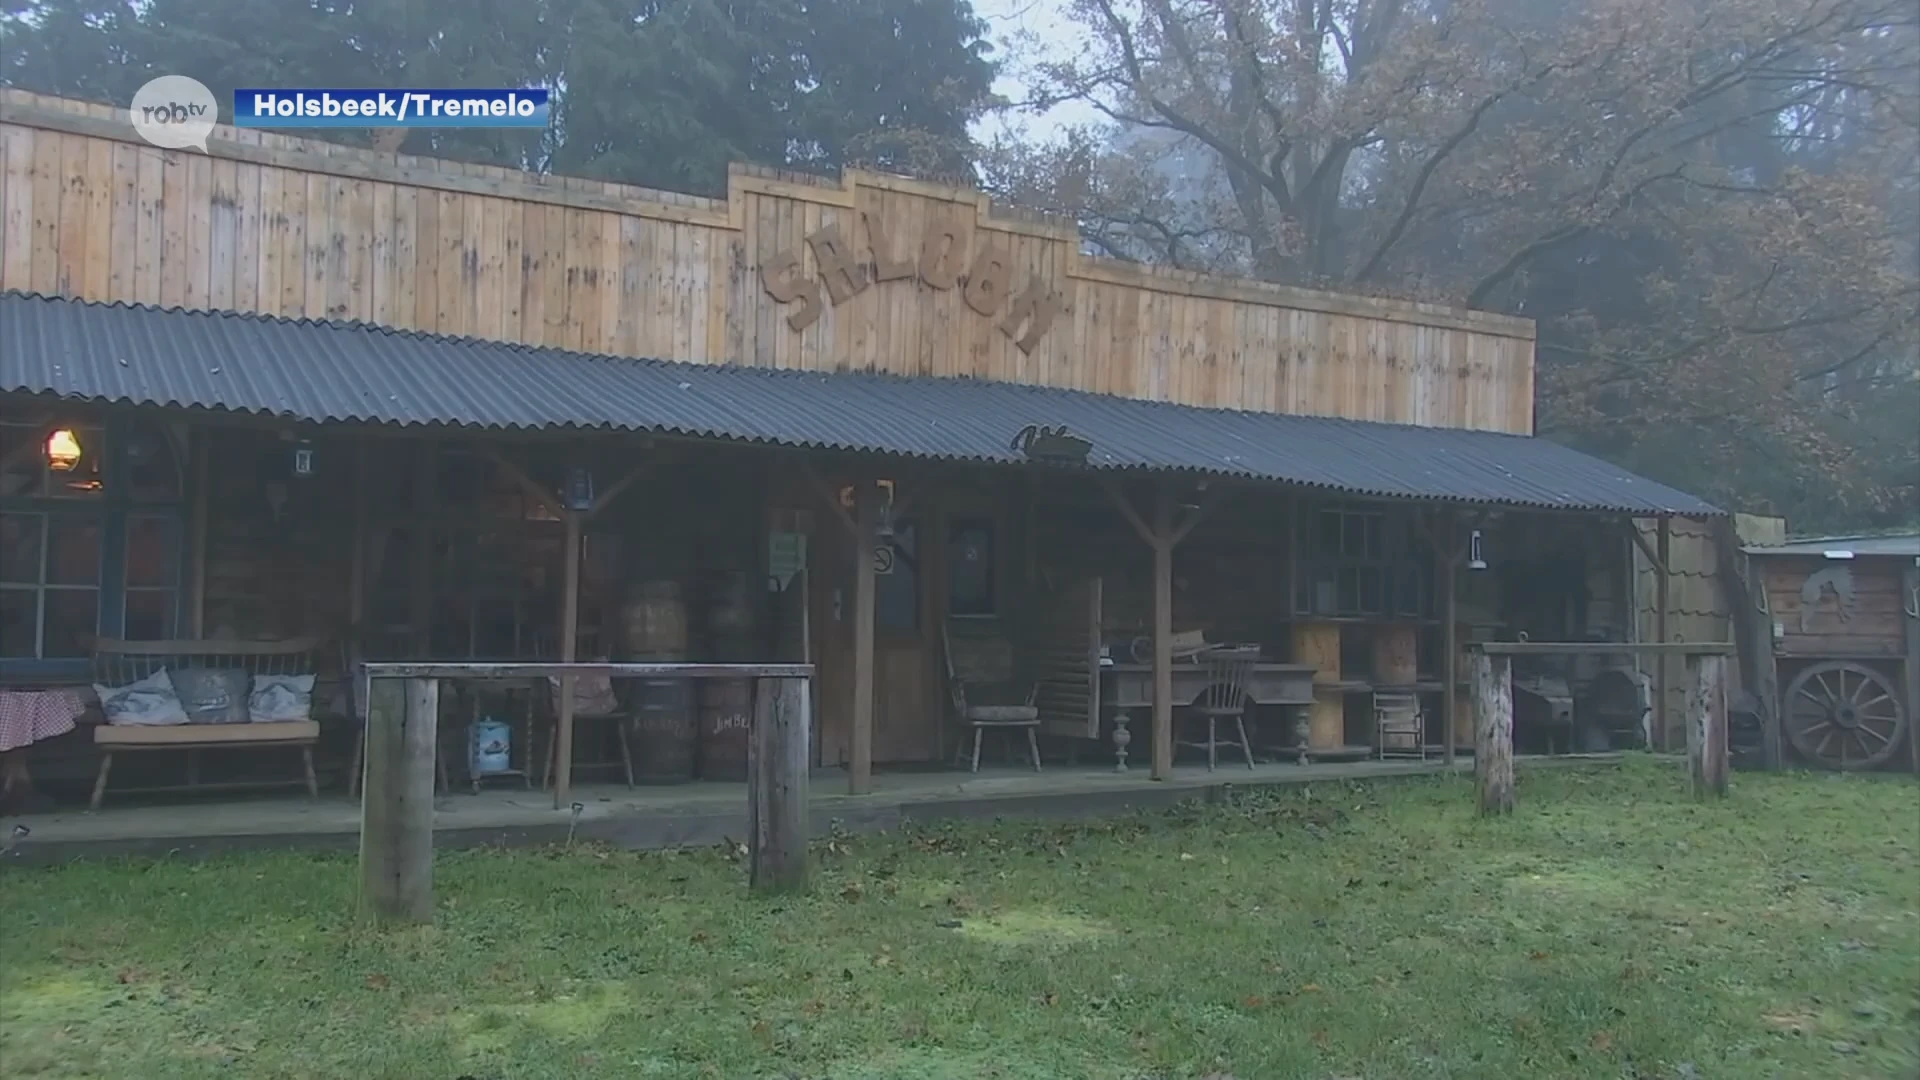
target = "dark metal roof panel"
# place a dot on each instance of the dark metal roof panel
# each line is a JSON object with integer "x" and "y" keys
{"x": 352, "y": 372}
{"x": 1866, "y": 545}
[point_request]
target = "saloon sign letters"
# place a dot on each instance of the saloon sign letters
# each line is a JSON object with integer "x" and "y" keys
{"x": 941, "y": 263}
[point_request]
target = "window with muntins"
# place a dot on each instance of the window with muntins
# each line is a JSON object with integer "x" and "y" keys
{"x": 90, "y": 536}
{"x": 1360, "y": 562}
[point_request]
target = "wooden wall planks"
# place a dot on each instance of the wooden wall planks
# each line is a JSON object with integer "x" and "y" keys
{"x": 300, "y": 228}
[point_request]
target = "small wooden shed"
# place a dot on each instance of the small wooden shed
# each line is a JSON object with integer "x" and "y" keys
{"x": 1845, "y": 614}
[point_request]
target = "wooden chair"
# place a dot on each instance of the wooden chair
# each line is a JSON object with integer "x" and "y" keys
{"x": 119, "y": 663}
{"x": 1229, "y": 670}
{"x": 1400, "y": 726}
{"x": 986, "y": 691}
{"x": 620, "y": 718}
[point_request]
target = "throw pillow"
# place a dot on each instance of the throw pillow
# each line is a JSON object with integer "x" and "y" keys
{"x": 148, "y": 702}
{"x": 213, "y": 695}
{"x": 280, "y": 698}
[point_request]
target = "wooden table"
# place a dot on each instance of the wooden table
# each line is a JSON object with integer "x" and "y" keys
{"x": 1126, "y": 687}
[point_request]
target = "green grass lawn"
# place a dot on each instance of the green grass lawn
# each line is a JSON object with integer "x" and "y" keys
{"x": 1610, "y": 928}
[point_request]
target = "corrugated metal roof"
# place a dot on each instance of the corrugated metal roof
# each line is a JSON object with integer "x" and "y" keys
{"x": 1884, "y": 544}
{"x": 351, "y": 372}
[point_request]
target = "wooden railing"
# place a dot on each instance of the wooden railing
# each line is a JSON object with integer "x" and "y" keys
{"x": 396, "y": 808}
{"x": 1707, "y": 751}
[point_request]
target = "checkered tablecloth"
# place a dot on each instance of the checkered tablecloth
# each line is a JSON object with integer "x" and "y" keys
{"x": 28, "y": 716}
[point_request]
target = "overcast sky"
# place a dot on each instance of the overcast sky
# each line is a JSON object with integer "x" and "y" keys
{"x": 1043, "y": 19}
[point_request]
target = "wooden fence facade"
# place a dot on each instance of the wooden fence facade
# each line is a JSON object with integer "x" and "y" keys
{"x": 869, "y": 272}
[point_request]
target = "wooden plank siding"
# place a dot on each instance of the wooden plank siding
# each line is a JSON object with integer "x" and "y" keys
{"x": 1869, "y": 625}
{"x": 296, "y": 227}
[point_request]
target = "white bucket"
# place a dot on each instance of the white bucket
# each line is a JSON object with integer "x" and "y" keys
{"x": 490, "y": 749}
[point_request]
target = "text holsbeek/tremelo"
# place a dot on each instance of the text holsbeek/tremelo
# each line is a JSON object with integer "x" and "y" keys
{"x": 397, "y": 106}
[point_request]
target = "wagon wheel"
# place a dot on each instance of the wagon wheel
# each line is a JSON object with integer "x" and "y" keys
{"x": 1843, "y": 716}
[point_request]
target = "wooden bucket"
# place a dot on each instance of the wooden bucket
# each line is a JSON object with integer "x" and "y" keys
{"x": 726, "y": 719}
{"x": 664, "y": 731}
{"x": 654, "y": 621}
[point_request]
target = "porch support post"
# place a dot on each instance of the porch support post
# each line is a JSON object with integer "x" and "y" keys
{"x": 866, "y": 522}
{"x": 1449, "y": 634}
{"x": 396, "y": 810}
{"x": 1663, "y": 585}
{"x": 1707, "y": 750}
{"x": 1493, "y": 732}
{"x": 575, "y": 522}
{"x": 420, "y": 589}
{"x": 1162, "y": 536}
{"x": 861, "y": 525}
{"x": 357, "y": 575}
{"x": 1162, "y": 631}
{"x": 569, "y": 643}
{"x": 198, "y": 613}
{"x": 777, "y": 758}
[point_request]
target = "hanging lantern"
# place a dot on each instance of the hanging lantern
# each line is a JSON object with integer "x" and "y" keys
{"x": 303, "y": 459}
{"x": 580, "y": 489}
{"x": 1475, "y": 561}
{"x": 63, "y": 451}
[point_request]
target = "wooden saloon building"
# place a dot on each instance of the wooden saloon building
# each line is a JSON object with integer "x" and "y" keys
{"x": 388, "y": 407}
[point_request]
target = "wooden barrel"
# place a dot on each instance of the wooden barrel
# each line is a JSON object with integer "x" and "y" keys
{"x": 1327, "y": 720}
{"x": 665, "y": 732}
{"x": 726, "y": 717}
{"x": 654, "y": 620}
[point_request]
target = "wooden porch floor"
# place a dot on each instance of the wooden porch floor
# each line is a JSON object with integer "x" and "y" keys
{"x": 667, "y": 816}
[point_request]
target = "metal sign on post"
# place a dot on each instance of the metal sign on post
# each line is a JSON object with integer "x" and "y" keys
{"x": 883, "y": 558}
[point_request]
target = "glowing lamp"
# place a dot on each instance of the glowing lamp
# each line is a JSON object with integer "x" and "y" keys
{"x": 63, "y": 451}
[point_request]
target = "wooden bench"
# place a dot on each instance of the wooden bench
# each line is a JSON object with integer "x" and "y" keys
{"x": 118, "y": 663}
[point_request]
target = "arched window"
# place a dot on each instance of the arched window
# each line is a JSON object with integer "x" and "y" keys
{"x": 90, "y": 534}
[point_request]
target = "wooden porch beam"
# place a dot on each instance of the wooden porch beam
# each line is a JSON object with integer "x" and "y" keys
{"x": 569, "y": 643}
{"x": 201, "y": 540}
{"x": 420, "y": 594}
{"x": 606, "y": 499}
{"x": 1658, "y": 560}
{"x": 357, "y": 574}
{"x": 1125, "y": 505}
{"x": 1663, "y": 585}
{"x": 1446, "y": 550}
{"x": 867, "y": 512}
{"x": 916, "y": 485}
{"x": 1208, "y": 504}
{"x": 1163, "y": 634}
{"x": 862, "y": 528}
{"x": 827, "y": 495}
{"x": 527, "y": 483}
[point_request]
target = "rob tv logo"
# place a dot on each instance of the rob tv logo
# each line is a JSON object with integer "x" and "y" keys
{"x": 175, "y": 112}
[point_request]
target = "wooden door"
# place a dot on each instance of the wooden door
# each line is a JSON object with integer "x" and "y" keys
{"x": 906, "y": 728}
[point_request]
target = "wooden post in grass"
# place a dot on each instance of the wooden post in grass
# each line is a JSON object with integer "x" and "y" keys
{"x": 777, "y": 756}
{"x": 396, "y": 807}
{"x": 1707, "y": 751}
{"x": 1493, "y": 731}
